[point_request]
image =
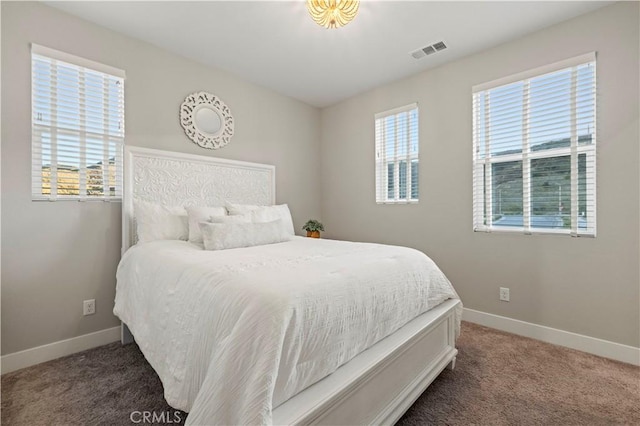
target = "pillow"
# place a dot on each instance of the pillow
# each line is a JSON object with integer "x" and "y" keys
{"x": 241, "y": 218}
{"x": 238, "y": 209}
{"x": 158, "y": 222}
{"x": 264, "y": 214}
{"x": 199, "y": 214}
{"x": 271, "y": 213}
{"x": 222, "y": 236}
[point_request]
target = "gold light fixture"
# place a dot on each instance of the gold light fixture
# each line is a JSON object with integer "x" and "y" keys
{"x": 333, "y": 13}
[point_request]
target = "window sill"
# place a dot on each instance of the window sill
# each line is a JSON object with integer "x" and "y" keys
{"x": 398, "y": 202}
{"x": 522, "y": 231}
{"x": 92, "y": 199}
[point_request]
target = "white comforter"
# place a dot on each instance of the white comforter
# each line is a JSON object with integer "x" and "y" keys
{"x": 234, "y": 333}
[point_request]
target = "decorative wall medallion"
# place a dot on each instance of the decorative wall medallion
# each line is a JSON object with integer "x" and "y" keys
{"x": 206, "y": 120}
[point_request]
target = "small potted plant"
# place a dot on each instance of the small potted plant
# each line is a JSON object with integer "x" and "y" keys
{"x": 313, "y": 228}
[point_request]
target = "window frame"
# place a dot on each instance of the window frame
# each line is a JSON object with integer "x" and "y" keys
{"x": 382, "y": 161}
{"x": 482, "y": 164}
{"x": 111, "y": 142}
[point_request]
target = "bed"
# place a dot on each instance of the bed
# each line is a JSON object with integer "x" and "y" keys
{"x": 303, "y": 331}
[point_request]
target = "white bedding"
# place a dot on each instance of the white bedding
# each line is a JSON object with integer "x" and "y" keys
{"x": 234, "y": 333}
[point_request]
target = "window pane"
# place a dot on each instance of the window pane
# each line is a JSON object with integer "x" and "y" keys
{"x": 402, "y": 133}
{"x": 390, "y": 181}
{"x": 479, "y": 129}
{"x": 413, "y": 129}
{"x": 94, "y": 180}
{"x": 506, "y": 200}
{"x": 551, "y": 193}
{"x": 505, "y": 119}
{"x": 68, "y": 180}
{"x": 46, "y": 180}
{"x": 94, "y": 120}
{"x": 583, "y": 209}
{"x": 414, "y": 179}
{"x": 485, "y": 211}
{"x": 585, "y": 103}
{"x": 390, "y": 136}
{"x": 402, "y": 176}
{"x": 550, "y": 111}
{"x": 68, "y": 98}
{"x": 94, "y": 160}
{"x": 114, "y": 160}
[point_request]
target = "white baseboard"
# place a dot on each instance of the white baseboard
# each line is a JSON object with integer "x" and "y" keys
{"x": 33, "y": 356}
{"x": 592, "y": 345}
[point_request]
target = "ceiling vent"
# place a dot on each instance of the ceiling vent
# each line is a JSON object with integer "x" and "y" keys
{"x": 428, "y": 50}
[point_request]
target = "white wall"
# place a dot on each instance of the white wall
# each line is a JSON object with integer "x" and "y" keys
{"x": 583, "y": 285}
{"x": 56, "y": 254}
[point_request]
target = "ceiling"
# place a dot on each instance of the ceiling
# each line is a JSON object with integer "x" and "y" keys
{"x": 275, "y": 44}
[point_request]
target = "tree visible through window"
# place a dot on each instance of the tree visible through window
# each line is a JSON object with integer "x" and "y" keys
{"x": 534, "y": 150}
{"x": 397, "y": 163}
{"x": 77, "y": 127}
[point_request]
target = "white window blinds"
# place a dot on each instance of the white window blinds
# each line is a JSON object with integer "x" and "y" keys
{"x": 77, "y": 127}
{"x": 397, "y": 163}
{"x": 534, "y": 150}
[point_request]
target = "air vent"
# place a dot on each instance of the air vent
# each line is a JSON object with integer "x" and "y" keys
{"x": 428, "y": 50}
{"x": 439, "y": 46}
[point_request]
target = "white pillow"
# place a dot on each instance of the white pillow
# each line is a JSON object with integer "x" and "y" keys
{"x": 241, "y": 218}
{"x": 237, "y": 209}
{"x": 199, "y": 214}
{"x": 264, "y": 214}
{"x": 222, "y": 236}
{"x": 158, "y": 222}
{"x": 271, "y": 213}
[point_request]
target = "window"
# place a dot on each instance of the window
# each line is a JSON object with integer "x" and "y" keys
{"x": 397, "y": 164}
{"x": 534, "y": 150}
{"x": 77, "y": 127}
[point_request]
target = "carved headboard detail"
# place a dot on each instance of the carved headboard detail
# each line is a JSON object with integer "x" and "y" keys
{"x": 176, "y": 179}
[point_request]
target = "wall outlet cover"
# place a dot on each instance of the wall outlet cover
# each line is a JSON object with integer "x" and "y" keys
{"x": 504, "y": 294}
{"x": 89, "y": 307}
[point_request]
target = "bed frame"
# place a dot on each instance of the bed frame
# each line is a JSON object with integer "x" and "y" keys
{"x": 375, "y": 387}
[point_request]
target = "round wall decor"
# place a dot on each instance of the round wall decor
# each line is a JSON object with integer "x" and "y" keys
{"x": 206, "y": 120}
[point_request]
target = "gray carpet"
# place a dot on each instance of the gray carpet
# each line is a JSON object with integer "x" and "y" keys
{"x": 500, "y": 379}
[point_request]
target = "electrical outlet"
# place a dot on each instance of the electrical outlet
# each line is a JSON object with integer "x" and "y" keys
{"x": 89, "y": 307}
{"x": 504, "y": 294}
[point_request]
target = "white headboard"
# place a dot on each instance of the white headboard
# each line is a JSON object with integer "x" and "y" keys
{"x": 176, "y": 179}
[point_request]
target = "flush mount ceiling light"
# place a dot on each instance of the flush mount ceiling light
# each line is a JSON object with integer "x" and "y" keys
{"x": 333, "y": 13}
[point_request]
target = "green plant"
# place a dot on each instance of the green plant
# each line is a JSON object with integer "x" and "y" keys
{"x": 313, "y": 225}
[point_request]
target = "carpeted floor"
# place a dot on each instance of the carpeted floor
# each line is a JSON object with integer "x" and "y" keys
{"x": 500, "y": 379}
